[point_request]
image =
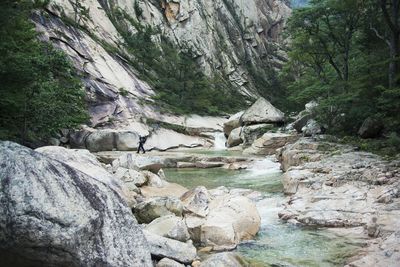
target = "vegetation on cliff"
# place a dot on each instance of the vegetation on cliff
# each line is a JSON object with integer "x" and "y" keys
{"x": 345, "y": 54}
{"x": 179, "y": 82}
{"x": 39, "y": 92}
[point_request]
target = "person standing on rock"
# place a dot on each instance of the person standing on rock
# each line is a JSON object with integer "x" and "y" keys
{"x": 142, "y": 140}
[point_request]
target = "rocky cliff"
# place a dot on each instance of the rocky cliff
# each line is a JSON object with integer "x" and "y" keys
{"x": 238, "y": 39}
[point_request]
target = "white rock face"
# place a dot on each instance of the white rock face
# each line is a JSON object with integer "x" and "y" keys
{"x": 54, "y": 214}
{"x": 222, "y": 34}
{"x": 107, "y": 75}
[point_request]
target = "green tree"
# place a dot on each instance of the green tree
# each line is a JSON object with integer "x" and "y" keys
{"x": 339, "y": 57}
{"x": 39, "y": 91}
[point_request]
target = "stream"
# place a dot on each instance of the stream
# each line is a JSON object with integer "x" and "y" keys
{"x": 277, "y": 243}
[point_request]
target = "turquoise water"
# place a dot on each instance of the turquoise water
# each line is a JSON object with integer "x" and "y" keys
{"x": 277, "y": 243}
{"x": 209, "y": 152}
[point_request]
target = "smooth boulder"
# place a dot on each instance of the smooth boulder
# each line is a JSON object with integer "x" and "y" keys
{"x": 262, "y": 111}
{"x": 102, "y": 140}
{"x": 153, "y": 208}
{"x": 165, "y": 247}
{"x": 52, "y": 214}
{"x": 234, "y": 138}
{"x": 126, "y": 141}
{"x": 169, "y": 226}
{"x": 231, "y": 219}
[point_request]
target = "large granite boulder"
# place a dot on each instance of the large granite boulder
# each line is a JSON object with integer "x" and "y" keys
{"x": 231, "y": 219}
{"x": 235, "y": 138}
{"x": 126, "y": 140}
{"x": 370, "y": 128}
{"x": 82, "y": 160}
{"x": 86, "y": 162}
{"x": 164, "y": 139}
{"x": 232, "y": 123}
{"x": 269, "y": 143}
{"x": 102, "y": 140}
{"x": 156, "y": 207}
{"x": 221, "y": 220}
{"x": 262, "y": 111}
{"x": 52, "y": 214}
{"x": 301, "y": 121}
{"x": 312, "y": 128}
{"x": 252, "y": 132}
{"x": 169, "y": 226}
{"x": 196, "y": 201}
{"x": 77, "y": 139}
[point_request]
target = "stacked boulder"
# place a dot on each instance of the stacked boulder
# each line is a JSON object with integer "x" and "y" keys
{"x": 246, "y": 126}
{"x": 254, "y": 128}
{"x": 305, "y": 122}
{"x": 63, "y": 207}
{"x": 177, "y": 220}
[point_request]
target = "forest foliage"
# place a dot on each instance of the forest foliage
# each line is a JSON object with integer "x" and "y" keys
{"x": 39, "y": 93}
{"x": 345, "y": 54}
{"x": 179, "y": 82}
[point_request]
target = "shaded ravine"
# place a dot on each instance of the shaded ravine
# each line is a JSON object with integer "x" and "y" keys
{"x": 277, "y": 243}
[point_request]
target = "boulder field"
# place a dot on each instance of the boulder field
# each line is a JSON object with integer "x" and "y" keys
{"x": 62, "y": 207}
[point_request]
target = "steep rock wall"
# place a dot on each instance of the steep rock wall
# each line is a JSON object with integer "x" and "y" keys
{"x": 227, "y": 36}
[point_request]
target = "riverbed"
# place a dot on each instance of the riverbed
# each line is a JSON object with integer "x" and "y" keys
{"x": 277, "y": 243}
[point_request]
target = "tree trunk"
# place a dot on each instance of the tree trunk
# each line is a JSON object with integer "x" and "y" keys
{"x": 394, "y": 60}
{"x": 392, "y": 19}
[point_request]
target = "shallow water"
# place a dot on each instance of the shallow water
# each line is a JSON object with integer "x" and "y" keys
{"x": 209, "y": 152}
{"x": 277, "y": 243}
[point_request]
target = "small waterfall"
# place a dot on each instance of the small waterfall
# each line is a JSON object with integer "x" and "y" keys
{"x": 219, "y": 141}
